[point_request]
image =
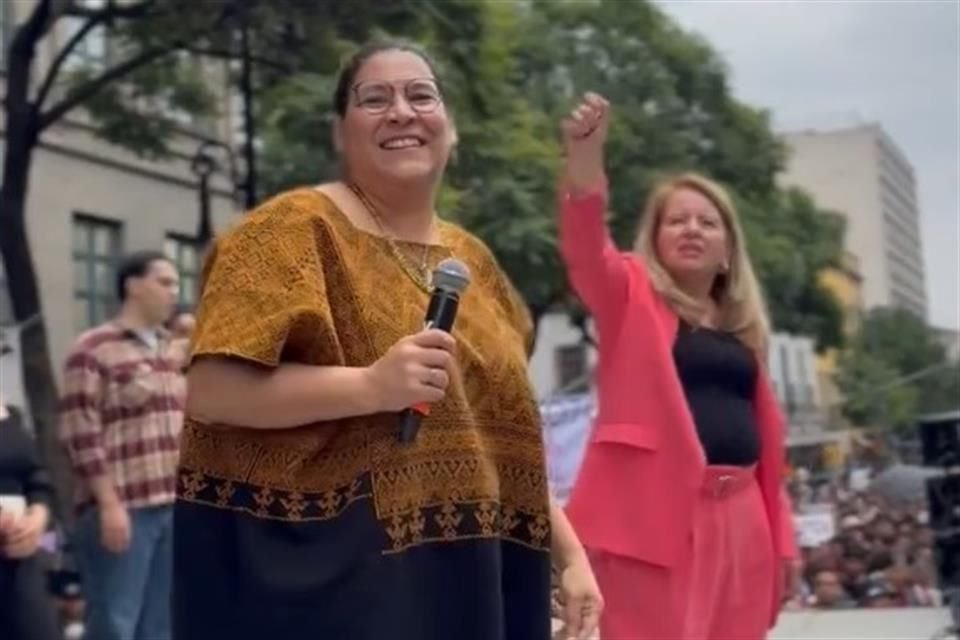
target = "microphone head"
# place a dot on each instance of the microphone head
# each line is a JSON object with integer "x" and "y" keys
{"x": 451, "y": 275}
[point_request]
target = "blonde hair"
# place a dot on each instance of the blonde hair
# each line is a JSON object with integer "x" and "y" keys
{"x": 736, "y": 292}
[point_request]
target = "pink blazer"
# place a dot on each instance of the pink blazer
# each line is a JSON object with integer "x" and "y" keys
{"x": 637, "y": 499}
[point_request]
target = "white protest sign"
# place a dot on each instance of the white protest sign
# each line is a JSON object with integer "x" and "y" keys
{"x": 813, "y": 529}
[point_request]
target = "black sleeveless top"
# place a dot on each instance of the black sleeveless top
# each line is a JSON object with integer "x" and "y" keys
{"x": 718, "y": 374}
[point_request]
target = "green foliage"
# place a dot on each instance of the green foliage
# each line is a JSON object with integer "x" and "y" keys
{"x": 510, "y": 71}
{"x": 895, "y": 369}
{"x": 900, "y": 339}
{"x": 140, "y": 113}
{"x": 873, "y": 397}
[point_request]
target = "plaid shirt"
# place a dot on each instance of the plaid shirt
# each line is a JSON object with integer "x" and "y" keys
{"x": 121, "y": 413}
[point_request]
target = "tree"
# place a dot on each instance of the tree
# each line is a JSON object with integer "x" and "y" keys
{"x": 896, "y": 369}
{"x": 513, "y": 69}
{"x": 900, "y": 339}
{"x": 131, "y": 101}
{"x": 673, "y": 111}
{"x": 941, "y": 390}
{"x": 873, "y": 393}
{"x": 791, "y": 241}
{"x": 475, "y": 45}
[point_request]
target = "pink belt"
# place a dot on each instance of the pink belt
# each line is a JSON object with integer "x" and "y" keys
{"x": 721, "y": 481}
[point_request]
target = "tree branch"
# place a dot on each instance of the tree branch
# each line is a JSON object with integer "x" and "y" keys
{"x": 90, "y": 89}
{"x": 226, "y": 54}
{"x": 39, "y": 21}
{"x": 62, "y": 56}
{"x": 95, "y": 17}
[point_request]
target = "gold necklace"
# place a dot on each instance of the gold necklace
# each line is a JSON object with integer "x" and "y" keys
{"x": 419, "y": 275}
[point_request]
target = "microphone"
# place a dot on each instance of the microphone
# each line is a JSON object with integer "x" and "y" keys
{"x": 449, "y": 279}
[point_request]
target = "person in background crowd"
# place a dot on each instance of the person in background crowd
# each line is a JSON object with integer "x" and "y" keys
{"x": 26, "y": 609}
{"x": 828, "y": 592}
{"x": 121, "y": 415}
{"x": 882, "y": 552}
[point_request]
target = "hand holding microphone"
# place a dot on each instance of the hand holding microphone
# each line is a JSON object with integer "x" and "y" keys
{"x": 415, "y": 372}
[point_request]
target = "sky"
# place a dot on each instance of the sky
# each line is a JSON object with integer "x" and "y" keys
{"x": 827, "y": 64}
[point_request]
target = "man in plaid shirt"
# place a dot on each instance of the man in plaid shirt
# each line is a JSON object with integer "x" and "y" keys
{"x": 121, "y": 415}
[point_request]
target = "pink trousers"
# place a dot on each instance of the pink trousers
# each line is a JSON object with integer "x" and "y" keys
{"x": 720, "y": 591}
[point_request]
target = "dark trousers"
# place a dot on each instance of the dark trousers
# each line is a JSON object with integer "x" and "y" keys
{"x": 26, "y": 608}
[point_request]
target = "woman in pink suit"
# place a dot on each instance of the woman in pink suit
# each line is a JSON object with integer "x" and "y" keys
{"x": 679, "y": 494}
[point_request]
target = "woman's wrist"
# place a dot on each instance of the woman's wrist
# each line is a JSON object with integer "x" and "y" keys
{"x": 563, "y": 558}
{"x": 566, "y": 549}
{"x": 580, "y": 184}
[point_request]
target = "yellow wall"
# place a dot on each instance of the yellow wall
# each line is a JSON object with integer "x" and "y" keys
{"x": 845, "y": 283}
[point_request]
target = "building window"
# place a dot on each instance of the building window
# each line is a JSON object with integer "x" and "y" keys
{"x": 96, "y": 251}
{"x": 185, "y": 253}
{"x": 92, "y": 50}
{"x": 571, "y": 366}
{"x": 4, "y": 20}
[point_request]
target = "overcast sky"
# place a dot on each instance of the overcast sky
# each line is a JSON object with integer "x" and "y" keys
{"x": 832, "y": 63}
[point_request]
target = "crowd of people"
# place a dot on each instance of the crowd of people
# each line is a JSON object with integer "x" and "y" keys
{"x": 881, "y": 555}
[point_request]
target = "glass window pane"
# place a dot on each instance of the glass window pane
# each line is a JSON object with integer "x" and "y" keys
{"x": 81, "y": 313}
{"x": 188, "y": 290}
{"x": 188, "y": 258}
{"x": 103, "y": 240}
{"x": 81, "y": 237}
{"x": 81, "y": 276}
{"x": 170, "y": 249}
{"x": 103, "y": 276}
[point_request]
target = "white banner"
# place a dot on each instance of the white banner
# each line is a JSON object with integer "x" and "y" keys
{"x": 566, "y": 424}
{"x": 813, "y": 529}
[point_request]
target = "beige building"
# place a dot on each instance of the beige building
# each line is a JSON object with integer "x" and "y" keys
{"x": 90, "y": 202}
{"x": 861, "y": 173}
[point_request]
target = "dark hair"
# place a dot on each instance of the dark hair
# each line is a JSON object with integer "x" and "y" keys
{"x": 879, "y": 561}
{"x": 135, "y": 265}
{"x": 352, "y": 65}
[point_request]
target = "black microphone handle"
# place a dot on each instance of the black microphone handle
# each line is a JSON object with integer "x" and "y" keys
{"x": 409, "y": 425}
{"x": 441, "y": 313}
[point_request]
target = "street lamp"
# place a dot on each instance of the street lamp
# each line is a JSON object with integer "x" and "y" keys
{"x": 203, "y": 165}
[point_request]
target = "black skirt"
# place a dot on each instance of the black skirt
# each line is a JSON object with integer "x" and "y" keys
{"x": 242, "y": 577}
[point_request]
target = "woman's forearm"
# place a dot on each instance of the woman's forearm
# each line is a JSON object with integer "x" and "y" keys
{"x": 565, "y": 545}
{"x": 232, "y": 392}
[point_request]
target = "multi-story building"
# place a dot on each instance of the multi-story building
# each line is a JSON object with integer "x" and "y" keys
{"x": 90, "y": 202}
{"x": 860, "y": 173}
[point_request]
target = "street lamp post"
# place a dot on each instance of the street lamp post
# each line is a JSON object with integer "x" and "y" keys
{"x": 203, "y": 165}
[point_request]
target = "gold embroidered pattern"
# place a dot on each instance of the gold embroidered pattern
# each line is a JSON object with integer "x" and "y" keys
{"x": 296, "y": 282}
{"x": 271, "y": 503}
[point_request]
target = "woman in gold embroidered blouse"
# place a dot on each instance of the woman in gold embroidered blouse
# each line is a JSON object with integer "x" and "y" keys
{"x": 299, "y": 514}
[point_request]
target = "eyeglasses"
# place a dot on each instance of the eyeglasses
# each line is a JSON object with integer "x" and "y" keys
{"x": 377, "y": 97}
